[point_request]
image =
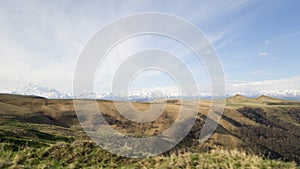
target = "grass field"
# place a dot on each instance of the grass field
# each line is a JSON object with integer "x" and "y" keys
{"x": 253, "y": 133}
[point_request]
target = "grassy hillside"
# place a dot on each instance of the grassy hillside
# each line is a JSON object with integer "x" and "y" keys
{"x": 254, "y": 133}
{"x": 26, "y": 145}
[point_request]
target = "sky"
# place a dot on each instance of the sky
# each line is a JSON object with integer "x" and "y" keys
{"x": 257, "y": 41}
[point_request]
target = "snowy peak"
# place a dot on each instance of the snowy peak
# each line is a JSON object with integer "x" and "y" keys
{"x": 32, "y": 89}
{"x": 280, "y": 94}
{"x": 50, "y": 93}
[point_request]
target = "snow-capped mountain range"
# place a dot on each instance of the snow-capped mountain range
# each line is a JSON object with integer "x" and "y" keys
{"x": 282, "y": 94}
{"x": 32, "y": 89}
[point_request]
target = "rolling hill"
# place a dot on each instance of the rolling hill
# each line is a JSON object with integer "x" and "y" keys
{"x": 262, "y": 127}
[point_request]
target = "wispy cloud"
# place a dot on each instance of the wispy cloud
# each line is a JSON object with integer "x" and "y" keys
{"x": 266, "y": 85}
{"x": 263, "y": 54}
{"x": 41, "y": 40}
{"x": 286, "y": 36}
{"x": 261, "y": 73}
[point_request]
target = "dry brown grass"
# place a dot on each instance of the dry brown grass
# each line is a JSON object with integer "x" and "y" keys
{"x": 228, "y": 135}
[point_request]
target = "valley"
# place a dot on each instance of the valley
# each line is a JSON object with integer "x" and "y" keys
{"x": 255, "y": 132}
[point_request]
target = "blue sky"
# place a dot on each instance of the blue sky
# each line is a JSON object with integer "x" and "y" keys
{"x": 257, "y": 40}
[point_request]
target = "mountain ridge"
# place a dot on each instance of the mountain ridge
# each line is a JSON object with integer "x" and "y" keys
{"x": 51, "y": 93}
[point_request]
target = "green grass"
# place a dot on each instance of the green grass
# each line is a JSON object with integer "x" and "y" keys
{"x": 84, "y": 154}
{"x": 25, "y": 145}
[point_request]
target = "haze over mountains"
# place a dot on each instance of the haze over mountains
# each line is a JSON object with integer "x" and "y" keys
{"x": 51, "y": 93}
